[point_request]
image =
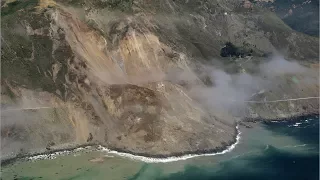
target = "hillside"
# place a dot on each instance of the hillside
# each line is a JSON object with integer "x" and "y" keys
{"x": 147, "y": 77}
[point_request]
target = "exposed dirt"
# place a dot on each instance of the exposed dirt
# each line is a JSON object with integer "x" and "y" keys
{"x": 121, "y": 74}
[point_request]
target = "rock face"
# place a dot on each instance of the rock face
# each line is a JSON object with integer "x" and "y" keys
{"x": 133, "y": 75}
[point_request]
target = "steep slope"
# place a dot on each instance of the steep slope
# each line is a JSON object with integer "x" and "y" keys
{"x": 137, "y": 75}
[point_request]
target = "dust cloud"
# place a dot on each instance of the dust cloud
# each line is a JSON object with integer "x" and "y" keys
{"x": 279, "y": 66}
{"x": 230, "y": 92}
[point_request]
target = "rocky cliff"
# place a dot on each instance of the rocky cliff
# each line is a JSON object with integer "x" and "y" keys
{"x": 147, "y": 77}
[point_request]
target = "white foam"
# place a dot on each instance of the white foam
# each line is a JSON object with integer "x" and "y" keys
{"x": 137, "y": 157}
{"x": 48, "y": 156}
{"x": 297, "y": 124}
{"x": 170, "y": 159}
{"x": 299, "y": 145}
{"x": 55, "y": 154}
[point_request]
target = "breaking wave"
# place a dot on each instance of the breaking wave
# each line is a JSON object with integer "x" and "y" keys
{"x": 137, "y": 157}
{"x": 173, "y": 158}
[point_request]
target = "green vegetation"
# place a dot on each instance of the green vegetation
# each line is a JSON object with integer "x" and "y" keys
{"x": 18, "y": 5}
{"x": 27, "y": 59}
{"x": 122, "y": 5}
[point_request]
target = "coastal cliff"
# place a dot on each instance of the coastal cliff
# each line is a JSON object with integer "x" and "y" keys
{"x": 147, "y": 77}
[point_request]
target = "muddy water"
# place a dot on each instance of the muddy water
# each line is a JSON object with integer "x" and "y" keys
{"x": 295, "y": 142}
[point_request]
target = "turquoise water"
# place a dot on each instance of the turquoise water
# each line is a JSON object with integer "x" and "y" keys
{"x": 267, "y": 151}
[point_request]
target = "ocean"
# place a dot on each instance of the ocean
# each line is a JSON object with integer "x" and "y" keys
{"x": 268, "y": 150}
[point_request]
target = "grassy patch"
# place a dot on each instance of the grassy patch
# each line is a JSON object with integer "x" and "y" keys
{"x": 17, "y": 5}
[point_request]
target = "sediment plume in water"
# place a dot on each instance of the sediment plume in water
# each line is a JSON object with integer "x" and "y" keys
{"x": 138, "y": 157}
{"x": 173, "y": 158}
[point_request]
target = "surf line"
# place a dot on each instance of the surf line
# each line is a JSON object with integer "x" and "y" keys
{"x": 172, "y": 158}
{"x": 137, "y": 157}
{"x": 280, "y": 100}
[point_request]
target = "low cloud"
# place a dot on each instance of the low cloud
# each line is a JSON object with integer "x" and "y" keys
{"x": 229, "y": 92}
{"x": 279, "y": 66}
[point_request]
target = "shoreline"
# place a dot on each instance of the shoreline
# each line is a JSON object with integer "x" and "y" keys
{"x": 177, "y": 156}
{"x": 144, "y": 157}
{"x": 48, "y": 154}
{"x": 149, "y": 158}
{"x": 290, "y": 118}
